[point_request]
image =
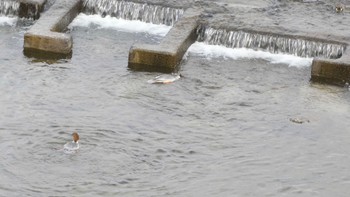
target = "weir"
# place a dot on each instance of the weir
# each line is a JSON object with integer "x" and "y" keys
{"x": 331, "y": 60}
{"x": 272, "y": 43}
{"x": 168, "y": 54}
{"x": 44, "y": 41}
{"x": 148, "y": 13}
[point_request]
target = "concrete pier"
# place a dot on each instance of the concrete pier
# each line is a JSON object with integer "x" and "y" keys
{"x": 31, "y": 8}
{"x": 44, "y": 39}
{"x": 166, "y": 56}
{"x": 332, "y": 71}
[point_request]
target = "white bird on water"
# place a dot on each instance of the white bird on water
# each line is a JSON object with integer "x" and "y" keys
{"x": 73, "y": 146}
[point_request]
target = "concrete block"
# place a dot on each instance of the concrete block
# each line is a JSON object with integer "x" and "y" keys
{"x": 45, "y": 36}
{"x": 166, "y": 56}
{"x": 332, "y": 71}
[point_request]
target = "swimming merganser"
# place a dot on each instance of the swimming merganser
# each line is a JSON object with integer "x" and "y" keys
{"x": 73, "y": 146}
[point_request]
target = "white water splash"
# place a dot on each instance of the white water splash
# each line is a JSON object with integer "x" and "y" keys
{"x": 7, "y": 21}
{"x": 129, "y": 10}
{"x": 83, "y": 20}
{"x": 215, "y": 51}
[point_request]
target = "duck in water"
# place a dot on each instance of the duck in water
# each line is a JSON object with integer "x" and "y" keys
{"x": 73, "y": 146}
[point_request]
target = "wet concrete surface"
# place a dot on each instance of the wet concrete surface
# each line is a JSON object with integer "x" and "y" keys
{"x": 312, "y": 18}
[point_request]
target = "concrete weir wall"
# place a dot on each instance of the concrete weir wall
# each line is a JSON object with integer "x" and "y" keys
{"x": 44, "y": 39}
{"x": 166, "y": 56}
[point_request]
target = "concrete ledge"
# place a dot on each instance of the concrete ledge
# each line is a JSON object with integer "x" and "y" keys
{"x": 166, "y": 56}
{"x": 31, "y": 8}
{"x": 45, "y": 37}
{"x": 336, "y": 72}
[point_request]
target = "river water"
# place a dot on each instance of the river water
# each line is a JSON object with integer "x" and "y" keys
{"x": 226, "y": 128}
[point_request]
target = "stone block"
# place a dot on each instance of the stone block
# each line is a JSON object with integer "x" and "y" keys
{"x": 46, "y": 37}
{"x": 331, "y": 71}
{"x": 166, "y": 56}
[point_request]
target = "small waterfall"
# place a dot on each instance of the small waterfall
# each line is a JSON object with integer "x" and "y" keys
{"x": 134, "y": 11}
{"x": 271, "y": 43}
{"x": 9, "y": 8}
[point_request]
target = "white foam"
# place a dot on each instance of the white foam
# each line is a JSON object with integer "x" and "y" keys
{"x": 8, "y": 21}
{"x": 214, "y": 51}
{"x": 83, "y": 20}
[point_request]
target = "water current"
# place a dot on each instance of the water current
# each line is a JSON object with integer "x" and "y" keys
{"x": 9, "y": 7}
{"x": 223, "y": 129}
{"x": 133, "y": 11}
